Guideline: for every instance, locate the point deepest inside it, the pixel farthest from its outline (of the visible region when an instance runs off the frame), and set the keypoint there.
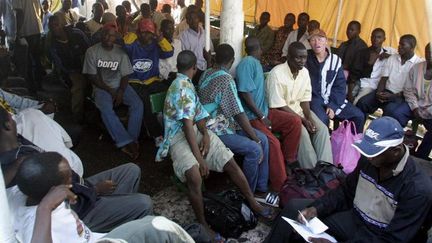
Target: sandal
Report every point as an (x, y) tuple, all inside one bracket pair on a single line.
[(132, 154), (271, 199), (267, 215)]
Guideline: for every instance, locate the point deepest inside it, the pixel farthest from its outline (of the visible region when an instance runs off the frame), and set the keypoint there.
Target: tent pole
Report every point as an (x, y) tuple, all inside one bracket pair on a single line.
[(428, 4), (232, 28), (337, 23), (207, 25)]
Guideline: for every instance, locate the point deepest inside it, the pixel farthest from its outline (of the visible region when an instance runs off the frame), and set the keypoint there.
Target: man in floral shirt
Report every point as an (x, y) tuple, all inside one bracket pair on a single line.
[(195, 150), (218, 93)]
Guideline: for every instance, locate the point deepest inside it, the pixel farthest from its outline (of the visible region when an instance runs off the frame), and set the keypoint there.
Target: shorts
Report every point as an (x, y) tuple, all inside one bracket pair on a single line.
[(183, 158)]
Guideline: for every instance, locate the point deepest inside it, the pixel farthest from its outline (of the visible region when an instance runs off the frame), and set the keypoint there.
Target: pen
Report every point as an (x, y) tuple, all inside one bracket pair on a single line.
[(304, 219)]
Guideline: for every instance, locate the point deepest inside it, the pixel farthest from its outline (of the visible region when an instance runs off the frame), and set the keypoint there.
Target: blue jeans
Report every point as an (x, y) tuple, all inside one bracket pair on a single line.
[(119, 134), (256, 174), (350, 113)]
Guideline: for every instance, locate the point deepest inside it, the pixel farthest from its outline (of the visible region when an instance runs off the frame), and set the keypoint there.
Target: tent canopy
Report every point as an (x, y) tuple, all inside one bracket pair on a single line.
[(396, 17)]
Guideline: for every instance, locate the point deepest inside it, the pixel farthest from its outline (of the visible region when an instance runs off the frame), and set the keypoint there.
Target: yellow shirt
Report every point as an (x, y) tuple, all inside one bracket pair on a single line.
[(283, 90)]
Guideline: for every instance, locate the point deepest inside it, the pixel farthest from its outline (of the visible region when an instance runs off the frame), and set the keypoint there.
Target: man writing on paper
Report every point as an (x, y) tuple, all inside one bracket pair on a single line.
[(386, 199)]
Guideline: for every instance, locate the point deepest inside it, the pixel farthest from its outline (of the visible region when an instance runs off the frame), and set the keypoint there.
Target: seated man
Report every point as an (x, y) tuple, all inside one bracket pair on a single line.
[(386, 199), (156, 16), (369, 64), (251, 87), (45, 215), (388, 94), (67, 49), (66, 15), (193, 39), (167, 66), (289, 90), (193, 148), (273, 55), (264, 33), (32, 122), (144, 50), (104, 200), (329, 84), (348, 51), (218, 93), (108, 67), (124, 21), (418, 97)]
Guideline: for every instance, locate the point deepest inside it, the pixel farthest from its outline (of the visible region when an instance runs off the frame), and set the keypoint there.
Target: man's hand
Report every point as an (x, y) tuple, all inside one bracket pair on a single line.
[(49, 107), (203, 168), (416, 113), (318, 240), (309, 125), (204, 145), (308, 213), (105, 187), (384, 96), (267, 123), (118, 99), (330, 113), (57, 195), (384, 55), (207, 56)]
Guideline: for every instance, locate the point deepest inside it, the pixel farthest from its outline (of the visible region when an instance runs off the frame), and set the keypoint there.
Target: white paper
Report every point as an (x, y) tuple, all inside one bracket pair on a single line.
[(306, 232), (317, 226)]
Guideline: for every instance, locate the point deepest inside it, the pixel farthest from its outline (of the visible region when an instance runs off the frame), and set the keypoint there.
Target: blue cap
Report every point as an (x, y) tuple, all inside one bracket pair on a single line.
[(382, 133)]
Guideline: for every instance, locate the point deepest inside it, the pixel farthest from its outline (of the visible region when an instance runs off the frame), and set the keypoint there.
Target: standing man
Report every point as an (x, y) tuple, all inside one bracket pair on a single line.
[(218, 94), (29, 26), (300, 34), (388, 95), (66, 14), (108, 67), (348, 51), (264, 33), (157, 16), (67, 50), (289, 90), (95, 23), (418, 97), (194, 149), (193, 39), (250, 82), (329, 84), (273, 56)]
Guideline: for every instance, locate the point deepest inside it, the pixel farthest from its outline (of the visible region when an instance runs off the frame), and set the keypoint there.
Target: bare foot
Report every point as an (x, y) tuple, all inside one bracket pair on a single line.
[(132, 150)]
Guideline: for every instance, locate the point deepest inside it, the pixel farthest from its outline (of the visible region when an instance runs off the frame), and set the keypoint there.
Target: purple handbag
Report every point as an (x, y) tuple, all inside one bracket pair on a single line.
[(344, 154)]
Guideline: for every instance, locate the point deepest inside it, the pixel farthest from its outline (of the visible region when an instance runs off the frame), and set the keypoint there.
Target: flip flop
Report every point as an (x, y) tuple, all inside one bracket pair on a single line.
[(271, 199)]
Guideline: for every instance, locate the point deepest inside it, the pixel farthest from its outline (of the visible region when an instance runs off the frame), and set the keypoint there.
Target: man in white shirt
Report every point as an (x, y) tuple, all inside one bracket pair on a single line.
[(67, 16), (389, 93), (369, 64), (95, 23), (168, 66), (47, 217), (300, 34), (193, 39)]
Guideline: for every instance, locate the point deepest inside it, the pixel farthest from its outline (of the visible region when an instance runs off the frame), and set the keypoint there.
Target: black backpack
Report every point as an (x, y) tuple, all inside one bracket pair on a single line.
[(228, 214), (311, 183)]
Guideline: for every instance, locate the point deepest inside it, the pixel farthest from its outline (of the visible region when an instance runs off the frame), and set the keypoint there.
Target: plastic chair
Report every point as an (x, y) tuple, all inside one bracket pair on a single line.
[(157, 101)]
